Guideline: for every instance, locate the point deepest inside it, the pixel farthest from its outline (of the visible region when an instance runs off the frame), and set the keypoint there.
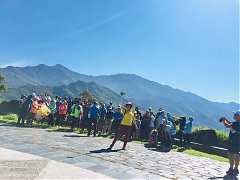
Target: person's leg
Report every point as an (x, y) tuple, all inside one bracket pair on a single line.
[(170, 141), (109, 126), (231, 162), (237, 159), (128, 132), (50, 119), (24, 115), (89, 128), (100, 126), (19, 119), (181, 138), (117, 136), (94, 127), (72, 119)]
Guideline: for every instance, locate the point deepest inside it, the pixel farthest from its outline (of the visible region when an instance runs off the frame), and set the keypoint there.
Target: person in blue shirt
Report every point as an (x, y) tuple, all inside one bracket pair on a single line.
[(102, 119), (94, 114), (188, 131), (117, 118)]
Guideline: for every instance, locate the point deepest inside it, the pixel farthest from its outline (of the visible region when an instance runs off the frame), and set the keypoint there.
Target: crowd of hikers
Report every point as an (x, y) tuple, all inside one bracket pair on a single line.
[(124, 122), (102, 119)]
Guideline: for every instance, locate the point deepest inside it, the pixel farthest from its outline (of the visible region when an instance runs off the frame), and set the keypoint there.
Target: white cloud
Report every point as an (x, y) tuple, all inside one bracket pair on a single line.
[(20, 63), (98, 24)]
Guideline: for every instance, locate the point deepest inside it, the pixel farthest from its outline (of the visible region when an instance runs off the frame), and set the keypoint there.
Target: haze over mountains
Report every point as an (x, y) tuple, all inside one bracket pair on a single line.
[(144, 93)]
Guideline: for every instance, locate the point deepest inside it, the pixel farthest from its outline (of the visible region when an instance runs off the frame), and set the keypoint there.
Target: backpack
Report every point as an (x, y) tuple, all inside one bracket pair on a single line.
[(62, 109)]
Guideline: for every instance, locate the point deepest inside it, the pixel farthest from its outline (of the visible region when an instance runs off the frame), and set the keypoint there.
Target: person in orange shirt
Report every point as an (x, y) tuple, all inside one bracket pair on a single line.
[(125, 127), (33, 111)]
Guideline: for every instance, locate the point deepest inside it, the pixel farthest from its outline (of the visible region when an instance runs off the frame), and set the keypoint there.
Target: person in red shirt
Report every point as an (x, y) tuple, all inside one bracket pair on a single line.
[(62, 111)]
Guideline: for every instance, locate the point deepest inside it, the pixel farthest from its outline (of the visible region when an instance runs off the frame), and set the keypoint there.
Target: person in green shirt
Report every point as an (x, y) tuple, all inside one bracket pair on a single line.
[(75, 114), (53, 108)]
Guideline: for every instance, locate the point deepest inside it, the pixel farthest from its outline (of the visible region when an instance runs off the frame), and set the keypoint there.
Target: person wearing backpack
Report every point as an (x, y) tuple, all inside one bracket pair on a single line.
[(188, 131), (182, 124), (109, 119), (62, 111), (102, 119), (94, 114), (25, 105), (117, 118), (75, 114)]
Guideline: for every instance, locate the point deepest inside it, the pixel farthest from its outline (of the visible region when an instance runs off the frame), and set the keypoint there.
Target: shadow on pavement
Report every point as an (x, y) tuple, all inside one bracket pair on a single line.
[(227, 177), (103, 151), (158, 148), (74, 136)]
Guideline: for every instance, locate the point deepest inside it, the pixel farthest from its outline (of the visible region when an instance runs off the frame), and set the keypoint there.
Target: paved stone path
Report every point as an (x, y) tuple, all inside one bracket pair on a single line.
[(136, 162), (16, 165)]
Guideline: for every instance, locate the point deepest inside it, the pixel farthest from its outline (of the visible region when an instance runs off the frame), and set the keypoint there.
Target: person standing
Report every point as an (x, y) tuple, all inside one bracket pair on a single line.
[(84, 120), (102, 119), (125, 127), (138, 119), (145, 125), (117, 118), (62, 111), (51, 117), (109, 118), (188, 131), (94, 115), (234, 143), (182, 124), (160, 123), (75, 114)]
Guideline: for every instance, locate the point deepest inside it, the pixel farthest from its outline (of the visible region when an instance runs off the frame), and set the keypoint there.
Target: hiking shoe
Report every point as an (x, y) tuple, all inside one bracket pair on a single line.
[(236, 172), (230, 172)]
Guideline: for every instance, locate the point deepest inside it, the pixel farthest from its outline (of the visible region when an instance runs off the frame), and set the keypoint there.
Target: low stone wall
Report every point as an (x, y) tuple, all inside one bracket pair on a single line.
[(207, 149)]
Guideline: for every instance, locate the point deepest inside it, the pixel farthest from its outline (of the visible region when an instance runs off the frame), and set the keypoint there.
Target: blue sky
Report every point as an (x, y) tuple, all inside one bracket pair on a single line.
[(190, 45)]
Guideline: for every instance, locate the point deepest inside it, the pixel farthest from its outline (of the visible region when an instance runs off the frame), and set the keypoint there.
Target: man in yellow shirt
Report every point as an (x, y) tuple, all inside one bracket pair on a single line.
[(125, 127)]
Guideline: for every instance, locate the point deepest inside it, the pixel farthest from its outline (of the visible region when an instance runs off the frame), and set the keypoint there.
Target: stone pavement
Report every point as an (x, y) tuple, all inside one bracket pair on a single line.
[(136, 162), (16, 165)]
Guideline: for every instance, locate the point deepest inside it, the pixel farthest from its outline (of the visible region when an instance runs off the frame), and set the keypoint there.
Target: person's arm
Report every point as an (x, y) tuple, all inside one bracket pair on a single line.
[(227, 123)]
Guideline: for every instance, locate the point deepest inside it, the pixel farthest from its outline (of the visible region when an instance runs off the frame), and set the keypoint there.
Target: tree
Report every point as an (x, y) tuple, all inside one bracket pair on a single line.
[(2, 85), (88, 96)]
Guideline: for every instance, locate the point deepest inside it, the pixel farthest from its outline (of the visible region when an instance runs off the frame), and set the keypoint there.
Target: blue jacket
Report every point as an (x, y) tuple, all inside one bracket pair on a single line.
[(118, 116), (103, 112), (94, 112)]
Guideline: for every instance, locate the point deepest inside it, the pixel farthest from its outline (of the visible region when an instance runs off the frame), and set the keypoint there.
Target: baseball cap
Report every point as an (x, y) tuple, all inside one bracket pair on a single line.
[(237, 113)]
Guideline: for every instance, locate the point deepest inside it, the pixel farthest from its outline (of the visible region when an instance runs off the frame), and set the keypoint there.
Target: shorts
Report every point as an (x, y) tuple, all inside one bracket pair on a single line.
[(234, 143)]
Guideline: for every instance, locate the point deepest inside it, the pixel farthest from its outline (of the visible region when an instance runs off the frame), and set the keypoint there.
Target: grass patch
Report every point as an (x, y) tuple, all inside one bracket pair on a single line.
[(9, 119), (200, 154), (12, 119), (59, 129)]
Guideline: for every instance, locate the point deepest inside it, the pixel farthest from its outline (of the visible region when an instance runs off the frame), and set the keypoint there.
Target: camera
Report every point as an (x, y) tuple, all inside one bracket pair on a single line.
[(222, 119)]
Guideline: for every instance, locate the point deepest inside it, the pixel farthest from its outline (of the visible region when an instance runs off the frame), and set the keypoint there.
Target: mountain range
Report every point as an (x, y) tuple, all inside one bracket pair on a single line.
[(59, 80)]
